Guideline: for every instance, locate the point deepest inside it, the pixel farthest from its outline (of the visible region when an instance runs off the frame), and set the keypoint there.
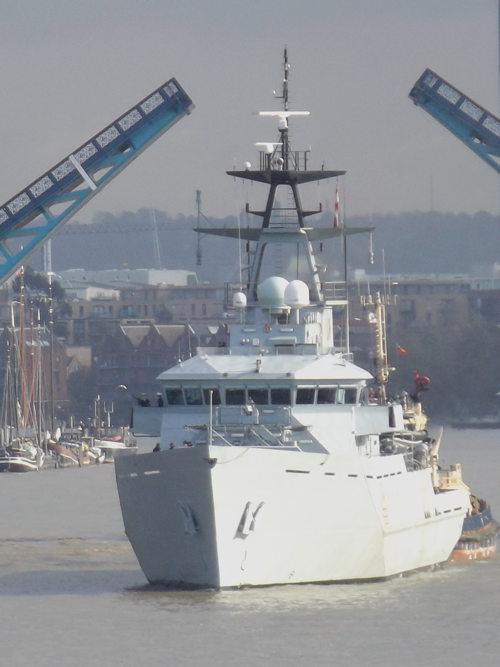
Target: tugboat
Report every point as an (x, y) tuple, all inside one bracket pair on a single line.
[(478, 540), (275, 466)]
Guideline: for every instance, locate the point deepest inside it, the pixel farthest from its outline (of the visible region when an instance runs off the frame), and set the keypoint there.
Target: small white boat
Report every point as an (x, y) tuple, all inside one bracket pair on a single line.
[(21, 456), (113, 448), (96, 454)]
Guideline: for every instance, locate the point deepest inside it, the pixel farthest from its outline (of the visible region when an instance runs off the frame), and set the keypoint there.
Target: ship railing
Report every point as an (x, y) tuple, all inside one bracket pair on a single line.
[(284, 218), (451, 479), (348, 356), (334, 291), (236, 436), (270, 441), (250, 437), (216, 437), (292, 161), (230, 289)]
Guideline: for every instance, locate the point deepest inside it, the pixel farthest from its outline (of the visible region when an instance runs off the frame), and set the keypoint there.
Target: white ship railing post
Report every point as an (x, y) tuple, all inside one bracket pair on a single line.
[(210, 418)]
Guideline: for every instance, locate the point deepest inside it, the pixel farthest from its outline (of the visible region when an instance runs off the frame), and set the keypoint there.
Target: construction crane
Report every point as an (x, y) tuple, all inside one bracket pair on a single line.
[(30, 218), (467, 120)]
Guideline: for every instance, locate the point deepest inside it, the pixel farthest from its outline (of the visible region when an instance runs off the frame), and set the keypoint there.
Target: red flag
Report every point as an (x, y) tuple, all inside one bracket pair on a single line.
[(401, 350), (336, 216)]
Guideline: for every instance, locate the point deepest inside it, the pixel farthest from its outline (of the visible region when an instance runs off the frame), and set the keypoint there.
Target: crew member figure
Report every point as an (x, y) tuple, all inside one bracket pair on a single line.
[(422, 383)]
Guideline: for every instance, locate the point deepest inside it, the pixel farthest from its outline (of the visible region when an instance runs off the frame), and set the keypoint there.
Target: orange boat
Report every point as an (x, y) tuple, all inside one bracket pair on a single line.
[(478, 540)]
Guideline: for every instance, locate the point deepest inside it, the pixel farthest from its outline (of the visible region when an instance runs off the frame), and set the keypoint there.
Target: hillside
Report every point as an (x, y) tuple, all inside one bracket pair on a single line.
[(411, 243)]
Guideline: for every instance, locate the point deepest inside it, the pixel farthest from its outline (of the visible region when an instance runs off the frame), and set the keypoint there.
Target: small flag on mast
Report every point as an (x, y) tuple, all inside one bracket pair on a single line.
[(336, 216)]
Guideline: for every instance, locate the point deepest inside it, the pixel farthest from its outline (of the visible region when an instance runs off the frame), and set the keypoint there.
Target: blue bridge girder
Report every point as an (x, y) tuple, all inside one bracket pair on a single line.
[(471, 123), (30, 218)]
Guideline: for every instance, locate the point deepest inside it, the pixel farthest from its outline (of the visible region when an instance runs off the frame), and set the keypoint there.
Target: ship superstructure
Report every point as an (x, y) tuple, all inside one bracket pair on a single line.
[(275, 465)]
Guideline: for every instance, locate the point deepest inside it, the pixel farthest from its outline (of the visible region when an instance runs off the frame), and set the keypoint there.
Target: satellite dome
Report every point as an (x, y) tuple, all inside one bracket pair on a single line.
[(271, 292), (239, 300), (297, 294)]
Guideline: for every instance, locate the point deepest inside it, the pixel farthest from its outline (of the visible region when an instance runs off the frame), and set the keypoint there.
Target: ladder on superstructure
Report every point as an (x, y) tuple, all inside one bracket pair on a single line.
[(31, 217)]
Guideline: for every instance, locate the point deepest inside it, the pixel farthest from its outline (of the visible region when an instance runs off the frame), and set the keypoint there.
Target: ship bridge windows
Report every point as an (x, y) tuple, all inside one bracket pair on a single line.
[(235, 396), (305, 395), (193, 396), (281, 396), (326, 395), (349, 395), (174, 396), (258, 395), (215, 395)]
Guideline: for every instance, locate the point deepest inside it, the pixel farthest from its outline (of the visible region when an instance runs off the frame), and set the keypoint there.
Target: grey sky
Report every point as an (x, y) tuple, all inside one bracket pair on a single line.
[(70, 67)]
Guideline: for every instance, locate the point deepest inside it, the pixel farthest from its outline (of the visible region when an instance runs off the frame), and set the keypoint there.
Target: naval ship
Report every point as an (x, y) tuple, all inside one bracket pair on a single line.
[(278, 463)]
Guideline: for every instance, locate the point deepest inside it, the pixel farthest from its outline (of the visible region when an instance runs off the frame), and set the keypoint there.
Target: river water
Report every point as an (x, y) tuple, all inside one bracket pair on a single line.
[(72, 593)]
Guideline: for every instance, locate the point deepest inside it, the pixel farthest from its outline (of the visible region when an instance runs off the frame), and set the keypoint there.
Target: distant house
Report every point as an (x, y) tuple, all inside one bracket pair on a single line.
[(136, 353), (78, 358)]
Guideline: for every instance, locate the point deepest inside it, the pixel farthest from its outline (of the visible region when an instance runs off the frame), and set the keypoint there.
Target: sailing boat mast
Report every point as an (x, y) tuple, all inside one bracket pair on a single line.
[(9, 414), (23, 379), (51, 356)]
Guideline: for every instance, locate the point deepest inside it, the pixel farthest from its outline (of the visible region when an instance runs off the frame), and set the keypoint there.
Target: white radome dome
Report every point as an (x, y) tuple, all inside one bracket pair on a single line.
[(239, 300), (271, 292), (297, 294)]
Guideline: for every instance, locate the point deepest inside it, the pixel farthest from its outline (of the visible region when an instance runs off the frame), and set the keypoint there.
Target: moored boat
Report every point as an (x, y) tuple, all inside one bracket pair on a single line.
[(112, 449), (114, 445), (65, 454), (20, 410), (478, 540), (275, 465), (21, 456)]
